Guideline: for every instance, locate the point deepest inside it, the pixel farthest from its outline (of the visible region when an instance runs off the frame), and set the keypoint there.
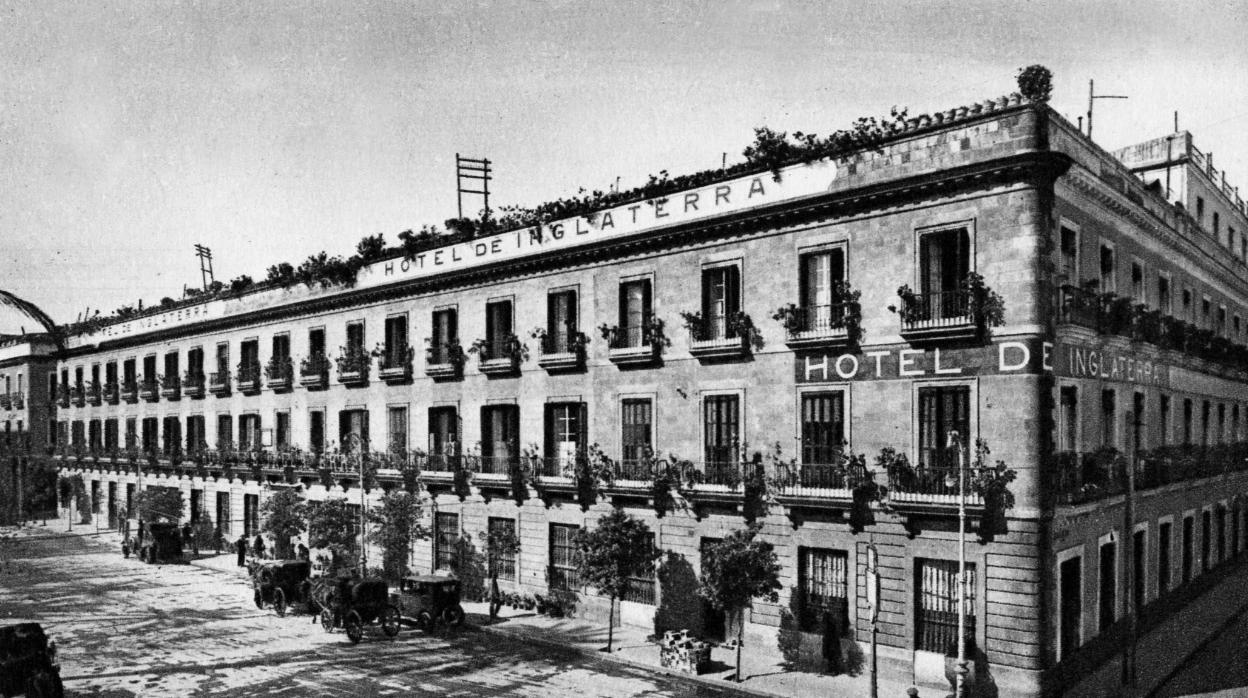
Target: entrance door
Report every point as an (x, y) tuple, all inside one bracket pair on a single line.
[(714, 622)]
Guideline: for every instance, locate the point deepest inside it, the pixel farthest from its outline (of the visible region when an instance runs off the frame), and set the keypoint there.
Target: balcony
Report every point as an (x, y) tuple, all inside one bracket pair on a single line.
[(497, 469), (149, 389), (314, 371), (78, 395), (395, 364), (94, 397), (933, 488), (353, 366), (62, 396), (1080, 307), (499, 356), (820, 325), (632, 345), (562, 352), (717, 337), (1077, 478), (444, 361), (219, 383), (130, 390), (6, 402), (247, 377), (820, 483), (279, 373), (193, 384), (112, 392), (171, 386), (941, 315)]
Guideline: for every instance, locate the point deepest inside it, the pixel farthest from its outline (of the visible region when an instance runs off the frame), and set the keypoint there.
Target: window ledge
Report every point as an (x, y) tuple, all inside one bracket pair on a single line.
[(719, 348)]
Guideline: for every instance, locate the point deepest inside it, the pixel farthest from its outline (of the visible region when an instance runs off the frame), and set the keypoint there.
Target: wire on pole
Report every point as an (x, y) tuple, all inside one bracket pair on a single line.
[(471, 169)]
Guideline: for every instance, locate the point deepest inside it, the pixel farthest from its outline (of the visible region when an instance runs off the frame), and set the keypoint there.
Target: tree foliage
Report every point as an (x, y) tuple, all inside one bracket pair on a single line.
[(396, 523), (284, 514), (333, 524), (1035, 82), (618, 548), (739, 569), (160, 503)]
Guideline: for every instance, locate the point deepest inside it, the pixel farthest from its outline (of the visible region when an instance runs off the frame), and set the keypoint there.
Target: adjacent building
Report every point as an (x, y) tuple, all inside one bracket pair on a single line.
[(986, 270), (26, 413)]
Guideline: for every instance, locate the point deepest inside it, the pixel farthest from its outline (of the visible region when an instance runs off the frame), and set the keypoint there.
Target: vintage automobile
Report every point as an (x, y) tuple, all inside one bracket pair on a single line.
[(28, 662), (282, 584), (431, 600), (352, 602), (161, 541)]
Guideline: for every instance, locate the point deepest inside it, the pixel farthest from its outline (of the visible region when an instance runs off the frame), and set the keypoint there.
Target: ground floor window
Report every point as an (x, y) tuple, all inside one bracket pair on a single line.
[(823, 583), (223, 512), (502, 562), (641, 586), (563, 574), (936, 620), (445, 535), (251, 514)]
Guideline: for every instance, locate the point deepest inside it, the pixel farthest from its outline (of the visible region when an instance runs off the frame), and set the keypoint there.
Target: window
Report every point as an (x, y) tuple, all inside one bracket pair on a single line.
[(1220, 432), (1221, 533), (196, 438), (443, 431), (397, 437), (1200, 210), (281, 430), (396, 342), (502, 562), (445, 537), (151, 435), (249, 432), (95, 435), (563, 574), (249, 361), (110, 435), (281, 349), (110, 372), (635, 438), (1217, 226), (498, 330), (225, 429), (1206, 538), (251, 514), (1219, 325), (1205, 419), (823, 427), (500, 437), (561, 323), (1138, 293), (641, 586), (223, 512), (1163, 408), (1070, 620), (944, 262), (1188, 311), (720, 425), (1139, 569), (1230, 239), (171, 366), (197, 505), (635, 313), (1137, 422), (445, 335), (195, 363), (820, 276), (132, 432), (721, 300), (172, 445), (1068, 422), (1188, 547), (316, 342), (1187, 421), (316, 431), (566, 425), (223, 360), (1164, 301), (1109, 419), (823, 584), (1070, 254), (942, 410), (936, 623), (1163, 556), (353, 429), (1108, 573), (1205, 310), (355, 339), (1109, 283), (149, 371)]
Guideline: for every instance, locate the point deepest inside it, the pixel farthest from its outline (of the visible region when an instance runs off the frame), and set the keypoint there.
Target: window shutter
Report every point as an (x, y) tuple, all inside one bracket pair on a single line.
[(928, 276), (552, 314), (548, 421), (582, 428), (806, 295), (491, 325), (513, 422), (708, 280), (623, 305), (569, 300), (732, 290), (487, 432)]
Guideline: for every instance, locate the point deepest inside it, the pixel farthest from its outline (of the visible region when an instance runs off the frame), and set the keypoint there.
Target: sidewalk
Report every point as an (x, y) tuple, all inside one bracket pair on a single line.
[(761, 667)]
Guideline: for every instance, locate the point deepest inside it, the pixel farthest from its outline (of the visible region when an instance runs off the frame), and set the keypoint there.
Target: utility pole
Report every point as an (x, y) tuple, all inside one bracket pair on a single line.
[(1092, 96), (472, 169), (205, 265)]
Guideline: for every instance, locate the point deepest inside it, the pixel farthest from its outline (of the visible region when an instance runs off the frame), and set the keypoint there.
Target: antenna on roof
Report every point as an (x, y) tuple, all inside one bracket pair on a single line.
[(205, 265), (1091, 97), (472, 168)]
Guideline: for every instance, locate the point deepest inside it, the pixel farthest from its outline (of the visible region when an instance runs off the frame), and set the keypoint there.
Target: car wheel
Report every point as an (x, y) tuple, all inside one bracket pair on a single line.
[(355, 627), (259, 599), (327, 620), (424, 621), (390, 621), (453, 615), (279, 602)]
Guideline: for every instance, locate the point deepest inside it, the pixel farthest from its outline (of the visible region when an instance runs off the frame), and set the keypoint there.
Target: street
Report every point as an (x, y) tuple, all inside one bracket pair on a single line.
[(129, 629), (1219, 670)]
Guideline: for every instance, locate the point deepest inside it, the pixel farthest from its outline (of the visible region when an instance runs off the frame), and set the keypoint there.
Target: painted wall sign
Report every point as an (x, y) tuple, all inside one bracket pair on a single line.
[(1079, 361)]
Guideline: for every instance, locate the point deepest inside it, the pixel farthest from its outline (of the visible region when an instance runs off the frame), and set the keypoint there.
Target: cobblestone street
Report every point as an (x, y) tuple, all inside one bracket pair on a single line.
[(125, 628)]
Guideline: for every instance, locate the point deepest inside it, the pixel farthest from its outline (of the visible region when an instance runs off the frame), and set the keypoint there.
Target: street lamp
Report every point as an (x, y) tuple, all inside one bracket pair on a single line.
[(354, 443), (955, 443)]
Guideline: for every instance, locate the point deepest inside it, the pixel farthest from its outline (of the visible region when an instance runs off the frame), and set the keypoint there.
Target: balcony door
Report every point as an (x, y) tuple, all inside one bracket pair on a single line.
[(635, 309), (820, 271), (944, 262), (560, 321), (565, 434), (353, 423), (721, 299), (500, 434)]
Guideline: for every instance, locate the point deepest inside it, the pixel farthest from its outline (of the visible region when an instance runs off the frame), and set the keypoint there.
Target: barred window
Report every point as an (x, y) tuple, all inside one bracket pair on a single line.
[(823, 582), (502, 563), (563, 574), (446, 533), (641, 585), (936, 624)]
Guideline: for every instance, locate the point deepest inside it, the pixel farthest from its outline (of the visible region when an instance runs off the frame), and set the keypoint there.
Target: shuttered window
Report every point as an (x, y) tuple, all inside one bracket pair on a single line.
[(561, 312), (396, 341), (641, 586), (823, 581), (565, 434), (721, 428), (563, 574), (942, 410), (635, 311), (397, 418), (636, 425), (823, 427), (936, 621), (443, 431), (721, 299)]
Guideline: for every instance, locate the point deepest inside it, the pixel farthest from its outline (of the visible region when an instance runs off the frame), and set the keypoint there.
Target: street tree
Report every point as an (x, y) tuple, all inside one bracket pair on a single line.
[(618, 548), (333, 524), (160, 503), (284, 515), (737, 570), (499, 544), (396, 524)]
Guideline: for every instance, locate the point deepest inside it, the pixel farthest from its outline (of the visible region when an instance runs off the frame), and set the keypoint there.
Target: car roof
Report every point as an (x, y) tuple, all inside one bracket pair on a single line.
[(431, 578)]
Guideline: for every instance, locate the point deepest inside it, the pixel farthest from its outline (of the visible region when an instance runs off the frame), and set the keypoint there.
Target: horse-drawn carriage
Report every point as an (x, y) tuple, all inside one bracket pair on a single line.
[(160, 541), (283, 583), (352, 602), (431, 599)]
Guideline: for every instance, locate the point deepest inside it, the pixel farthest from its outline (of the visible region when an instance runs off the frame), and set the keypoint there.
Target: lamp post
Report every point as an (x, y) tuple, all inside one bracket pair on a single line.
[(355, 444), (955, 444)]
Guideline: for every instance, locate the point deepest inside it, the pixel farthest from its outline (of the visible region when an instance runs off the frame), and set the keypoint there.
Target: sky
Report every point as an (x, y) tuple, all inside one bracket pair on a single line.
[(271, 130)]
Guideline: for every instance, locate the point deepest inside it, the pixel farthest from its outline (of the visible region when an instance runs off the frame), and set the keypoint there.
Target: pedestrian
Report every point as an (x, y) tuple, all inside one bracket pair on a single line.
[(258, 547), (125, 548), (241, 546), (832, 631), (496, 599), (302, 552)]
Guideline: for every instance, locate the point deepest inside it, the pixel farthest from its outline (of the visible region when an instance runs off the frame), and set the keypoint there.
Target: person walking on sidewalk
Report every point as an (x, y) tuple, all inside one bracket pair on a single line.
[(241, 547)]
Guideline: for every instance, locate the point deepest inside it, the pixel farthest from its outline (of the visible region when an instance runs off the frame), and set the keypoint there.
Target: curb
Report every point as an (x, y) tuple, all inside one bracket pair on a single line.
[(704, 683)]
